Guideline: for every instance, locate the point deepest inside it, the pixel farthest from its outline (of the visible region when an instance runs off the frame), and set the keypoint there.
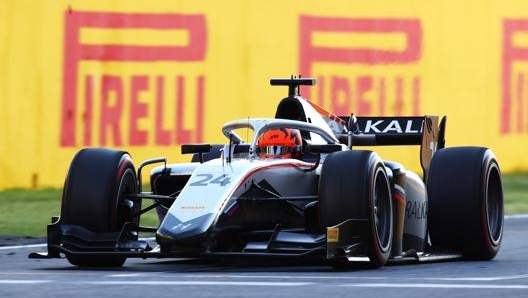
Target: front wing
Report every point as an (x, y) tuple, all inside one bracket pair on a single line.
[(340, 245)]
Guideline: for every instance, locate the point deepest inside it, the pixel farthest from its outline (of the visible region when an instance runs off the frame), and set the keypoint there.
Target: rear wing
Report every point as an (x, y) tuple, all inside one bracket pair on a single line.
[(426, 131), (352, 131)]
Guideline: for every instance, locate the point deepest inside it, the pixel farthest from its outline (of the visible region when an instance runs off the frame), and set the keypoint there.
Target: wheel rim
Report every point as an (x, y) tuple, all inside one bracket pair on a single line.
[(494, 204), (382, 210), (125, 207)]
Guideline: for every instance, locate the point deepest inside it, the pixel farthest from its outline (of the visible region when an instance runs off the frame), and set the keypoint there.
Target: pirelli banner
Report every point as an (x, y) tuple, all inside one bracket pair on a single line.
[(148, 76)]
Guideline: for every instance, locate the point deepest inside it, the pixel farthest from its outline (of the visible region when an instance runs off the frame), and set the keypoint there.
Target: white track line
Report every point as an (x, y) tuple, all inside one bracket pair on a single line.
[(315, 278), (492, 278), (273, 284), (18, 282), (514, 216), (22, 246), (161, 283), (202, 283), (436, 286)]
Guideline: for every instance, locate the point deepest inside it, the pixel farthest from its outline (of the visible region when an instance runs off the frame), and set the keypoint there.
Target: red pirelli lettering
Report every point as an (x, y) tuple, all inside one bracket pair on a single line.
[(514, 106), (138, 110), (162, 135), (109, 88), (363, 89), (111, 109)]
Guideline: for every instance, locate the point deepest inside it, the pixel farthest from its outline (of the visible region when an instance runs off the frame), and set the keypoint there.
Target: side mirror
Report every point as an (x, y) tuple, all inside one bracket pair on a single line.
[(196, 148), (325, 148), (320, 149)]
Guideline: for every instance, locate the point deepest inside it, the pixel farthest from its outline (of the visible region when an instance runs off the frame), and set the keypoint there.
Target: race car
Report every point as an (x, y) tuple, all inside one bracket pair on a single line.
[(297, 185)]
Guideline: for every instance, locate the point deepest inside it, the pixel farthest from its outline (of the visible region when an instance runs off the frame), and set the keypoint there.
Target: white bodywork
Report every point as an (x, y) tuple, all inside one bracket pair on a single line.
[(216, 184)]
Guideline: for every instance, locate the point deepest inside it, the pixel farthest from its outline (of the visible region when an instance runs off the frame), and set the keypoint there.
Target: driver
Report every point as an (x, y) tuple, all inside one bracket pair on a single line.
[(280, 143)]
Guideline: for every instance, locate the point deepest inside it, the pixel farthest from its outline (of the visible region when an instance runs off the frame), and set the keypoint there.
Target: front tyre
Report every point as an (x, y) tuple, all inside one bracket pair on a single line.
[(354, 185), (95, 197), (466, 208)]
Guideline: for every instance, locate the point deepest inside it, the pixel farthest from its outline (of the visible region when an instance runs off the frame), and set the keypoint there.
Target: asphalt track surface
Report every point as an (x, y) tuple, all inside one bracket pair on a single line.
[(505, 276)]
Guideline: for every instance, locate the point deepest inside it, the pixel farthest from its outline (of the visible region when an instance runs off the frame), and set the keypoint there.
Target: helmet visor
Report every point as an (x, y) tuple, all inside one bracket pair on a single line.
[(275, 151)]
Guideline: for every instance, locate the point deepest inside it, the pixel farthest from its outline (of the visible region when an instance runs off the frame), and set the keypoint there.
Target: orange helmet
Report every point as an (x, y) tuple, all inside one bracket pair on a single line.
[(280, 143)]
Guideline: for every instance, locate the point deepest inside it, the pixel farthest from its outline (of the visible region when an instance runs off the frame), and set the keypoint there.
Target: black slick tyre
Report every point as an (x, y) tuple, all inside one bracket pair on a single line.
[(354, 185), (466, 208), (94, 197)]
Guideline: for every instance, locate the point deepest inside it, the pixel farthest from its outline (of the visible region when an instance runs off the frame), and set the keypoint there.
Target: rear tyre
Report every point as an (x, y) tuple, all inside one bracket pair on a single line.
[(466, 209), (354, 185), (94, 197)]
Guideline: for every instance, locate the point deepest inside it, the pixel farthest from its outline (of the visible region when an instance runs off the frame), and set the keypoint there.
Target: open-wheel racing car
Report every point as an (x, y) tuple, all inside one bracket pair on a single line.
[(296, 187)]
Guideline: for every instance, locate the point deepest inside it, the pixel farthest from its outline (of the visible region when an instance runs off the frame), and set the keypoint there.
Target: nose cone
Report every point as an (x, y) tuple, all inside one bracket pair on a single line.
[(193, 232)]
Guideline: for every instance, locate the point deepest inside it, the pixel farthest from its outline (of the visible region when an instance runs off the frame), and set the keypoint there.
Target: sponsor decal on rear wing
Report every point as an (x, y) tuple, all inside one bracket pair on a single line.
[(372, 131), (380, 131)]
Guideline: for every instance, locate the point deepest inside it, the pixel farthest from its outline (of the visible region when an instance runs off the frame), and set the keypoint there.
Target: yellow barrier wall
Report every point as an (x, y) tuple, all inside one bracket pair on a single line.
[(149, 76)]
